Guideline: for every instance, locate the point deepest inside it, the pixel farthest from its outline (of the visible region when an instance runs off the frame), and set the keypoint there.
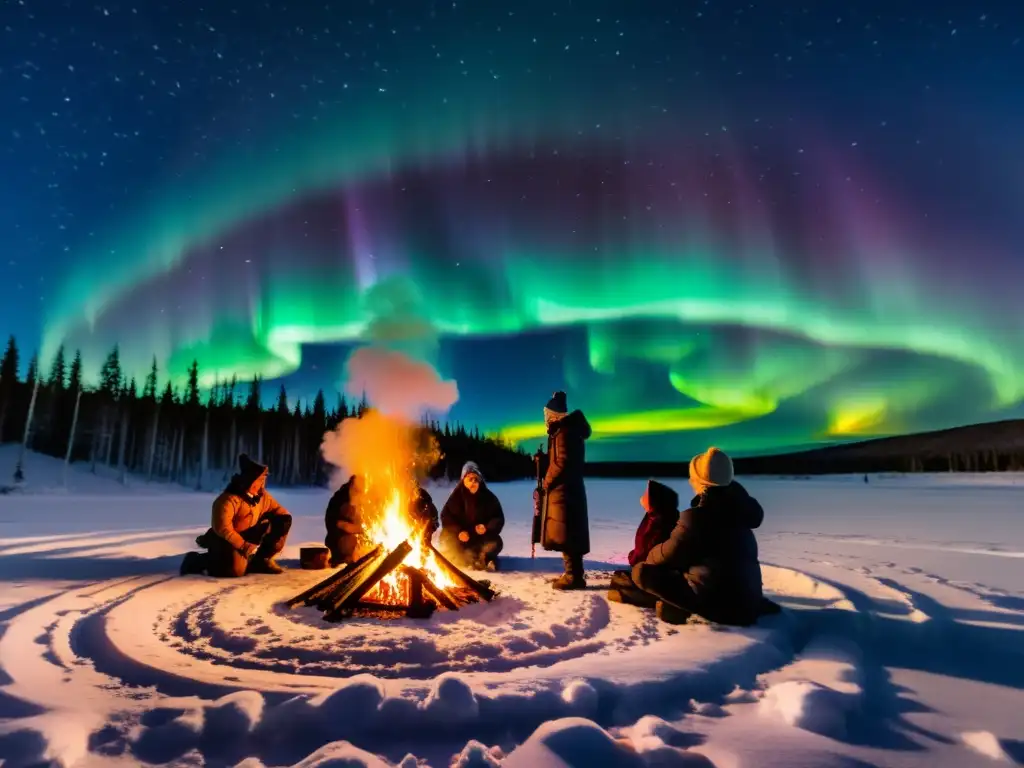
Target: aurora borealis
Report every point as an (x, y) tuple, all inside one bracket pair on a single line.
[(705, 221)]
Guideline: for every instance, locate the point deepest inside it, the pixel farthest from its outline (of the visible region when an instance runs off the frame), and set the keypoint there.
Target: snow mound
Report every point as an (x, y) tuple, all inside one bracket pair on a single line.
[(573, 741), (477, 755), (809, 705), (987, 744)]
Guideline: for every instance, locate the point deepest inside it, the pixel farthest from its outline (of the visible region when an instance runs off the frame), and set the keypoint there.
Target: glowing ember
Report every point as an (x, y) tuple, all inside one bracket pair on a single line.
[(390, 527)]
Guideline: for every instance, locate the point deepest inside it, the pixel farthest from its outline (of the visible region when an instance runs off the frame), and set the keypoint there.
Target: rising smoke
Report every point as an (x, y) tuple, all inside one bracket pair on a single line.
[(396, 373)]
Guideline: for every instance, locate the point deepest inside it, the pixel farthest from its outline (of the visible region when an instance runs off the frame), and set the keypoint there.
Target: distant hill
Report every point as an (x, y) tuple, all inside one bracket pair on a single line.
[(996, 446)]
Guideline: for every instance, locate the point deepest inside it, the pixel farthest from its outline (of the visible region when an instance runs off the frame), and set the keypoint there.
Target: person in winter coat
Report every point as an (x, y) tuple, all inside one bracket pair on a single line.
[(709, 564), (343, 523), (564, 524), (424, 513), (471, 522), (661, 513), (249, 528)]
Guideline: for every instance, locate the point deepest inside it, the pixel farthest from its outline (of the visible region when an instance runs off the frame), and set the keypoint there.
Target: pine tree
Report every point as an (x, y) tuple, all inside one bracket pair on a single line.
[(342, 407), (149, 390), (110, 374), (8, 380), (9, 364), (255, 401), (282, 401), (192, 389), (167, 398), (58, 370), (33, 370), (319, 414), (75, 377)]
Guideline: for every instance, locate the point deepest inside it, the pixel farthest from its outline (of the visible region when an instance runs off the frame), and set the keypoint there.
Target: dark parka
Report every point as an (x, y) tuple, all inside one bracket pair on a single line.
[(564, 523), (465, 510), (714, 548), (424, 513), (343, 523), (341, 510)]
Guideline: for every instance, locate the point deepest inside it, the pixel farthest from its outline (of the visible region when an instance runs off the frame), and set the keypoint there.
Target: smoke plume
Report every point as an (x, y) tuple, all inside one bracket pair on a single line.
[(395, 373)]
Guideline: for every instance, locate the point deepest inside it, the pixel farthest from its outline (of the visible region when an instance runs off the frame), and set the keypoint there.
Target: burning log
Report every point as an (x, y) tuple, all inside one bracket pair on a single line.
[(419, 607), (440, 595), (354, 592), (353, 576), (351, 589), (469, 583), (322, 587)]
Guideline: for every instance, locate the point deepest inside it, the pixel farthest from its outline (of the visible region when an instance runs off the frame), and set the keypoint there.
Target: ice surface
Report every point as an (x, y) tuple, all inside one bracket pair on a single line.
[(901, 642)]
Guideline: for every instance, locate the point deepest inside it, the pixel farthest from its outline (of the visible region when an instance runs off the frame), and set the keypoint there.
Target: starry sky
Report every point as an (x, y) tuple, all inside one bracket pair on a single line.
[(762, 225)]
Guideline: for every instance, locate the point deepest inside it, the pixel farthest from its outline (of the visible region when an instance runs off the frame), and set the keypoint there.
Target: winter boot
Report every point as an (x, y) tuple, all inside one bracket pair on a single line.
[(265, 565), (194, 562), (573, 576), (670, 614)]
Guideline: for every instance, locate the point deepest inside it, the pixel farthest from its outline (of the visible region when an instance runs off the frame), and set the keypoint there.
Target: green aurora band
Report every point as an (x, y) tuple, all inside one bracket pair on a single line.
[(733, 327)]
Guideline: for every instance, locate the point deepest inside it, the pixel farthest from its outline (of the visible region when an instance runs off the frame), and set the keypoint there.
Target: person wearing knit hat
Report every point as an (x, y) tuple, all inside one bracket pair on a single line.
[(249, 527), (564, 523), (710, 469), (471, 522), (661, 513), (709, 564)]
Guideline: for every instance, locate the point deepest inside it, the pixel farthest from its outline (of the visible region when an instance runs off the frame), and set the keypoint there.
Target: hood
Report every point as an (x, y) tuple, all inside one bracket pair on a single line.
[(732, 502), (575, 421), (663, 500)]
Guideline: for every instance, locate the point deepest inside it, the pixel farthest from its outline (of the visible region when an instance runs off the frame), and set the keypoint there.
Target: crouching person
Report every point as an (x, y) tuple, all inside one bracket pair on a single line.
[(423, 512), (661, 513), (471, 522), (709, 564), (343, 523), (249, 528)]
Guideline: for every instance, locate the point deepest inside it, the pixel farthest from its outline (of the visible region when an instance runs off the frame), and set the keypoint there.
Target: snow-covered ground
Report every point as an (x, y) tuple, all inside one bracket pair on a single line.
[(902, 643)]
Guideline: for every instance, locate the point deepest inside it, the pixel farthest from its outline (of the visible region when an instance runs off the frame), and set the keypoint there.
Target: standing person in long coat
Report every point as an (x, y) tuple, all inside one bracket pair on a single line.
[(565, 526)]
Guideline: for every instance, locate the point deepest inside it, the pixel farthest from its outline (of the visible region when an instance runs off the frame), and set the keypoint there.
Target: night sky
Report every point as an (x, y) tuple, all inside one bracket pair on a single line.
[(762, 225)]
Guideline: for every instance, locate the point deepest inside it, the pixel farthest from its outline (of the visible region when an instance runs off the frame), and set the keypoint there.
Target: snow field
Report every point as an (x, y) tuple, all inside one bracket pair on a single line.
[(901, 644)]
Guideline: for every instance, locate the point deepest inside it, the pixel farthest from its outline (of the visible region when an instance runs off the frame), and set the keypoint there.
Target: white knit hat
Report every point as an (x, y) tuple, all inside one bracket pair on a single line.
[(711, 468), (471, 467)]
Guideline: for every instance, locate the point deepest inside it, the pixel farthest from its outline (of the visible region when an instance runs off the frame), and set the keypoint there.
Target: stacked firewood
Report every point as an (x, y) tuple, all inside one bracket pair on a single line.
[(345, 593)]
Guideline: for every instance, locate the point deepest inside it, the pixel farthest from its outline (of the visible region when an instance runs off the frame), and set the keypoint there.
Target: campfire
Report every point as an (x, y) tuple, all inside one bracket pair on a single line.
[(400, 572)]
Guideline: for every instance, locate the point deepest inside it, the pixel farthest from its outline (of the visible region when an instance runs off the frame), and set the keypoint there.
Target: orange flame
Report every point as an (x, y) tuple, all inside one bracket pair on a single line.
[(387, 453)]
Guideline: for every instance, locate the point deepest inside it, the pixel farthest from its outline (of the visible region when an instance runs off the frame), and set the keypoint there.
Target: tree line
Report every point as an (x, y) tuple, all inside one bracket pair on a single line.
[(156, 431)]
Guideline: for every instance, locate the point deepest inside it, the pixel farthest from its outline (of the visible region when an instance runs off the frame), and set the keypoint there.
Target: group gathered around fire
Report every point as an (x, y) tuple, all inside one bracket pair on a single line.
[(700, 561)]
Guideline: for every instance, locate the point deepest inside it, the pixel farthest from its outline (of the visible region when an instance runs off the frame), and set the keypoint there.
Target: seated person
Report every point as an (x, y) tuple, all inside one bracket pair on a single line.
[(471, 522), (661, 513), (343, 524), (249, 528), (424, 513), (709, 564)]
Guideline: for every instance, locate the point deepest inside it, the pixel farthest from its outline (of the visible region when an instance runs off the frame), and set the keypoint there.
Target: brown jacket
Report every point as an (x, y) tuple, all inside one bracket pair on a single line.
[(233, 514)]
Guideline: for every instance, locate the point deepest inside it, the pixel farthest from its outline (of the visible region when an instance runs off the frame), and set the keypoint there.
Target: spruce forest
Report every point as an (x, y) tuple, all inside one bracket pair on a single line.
[(153, 431)]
